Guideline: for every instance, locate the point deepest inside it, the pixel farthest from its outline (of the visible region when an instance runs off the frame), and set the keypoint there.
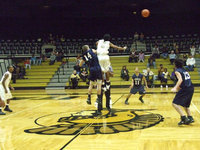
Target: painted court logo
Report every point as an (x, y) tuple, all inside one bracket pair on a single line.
[(86, 122)]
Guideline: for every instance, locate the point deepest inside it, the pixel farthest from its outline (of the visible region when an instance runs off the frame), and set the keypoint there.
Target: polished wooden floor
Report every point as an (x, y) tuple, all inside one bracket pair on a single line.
[(35, 107)]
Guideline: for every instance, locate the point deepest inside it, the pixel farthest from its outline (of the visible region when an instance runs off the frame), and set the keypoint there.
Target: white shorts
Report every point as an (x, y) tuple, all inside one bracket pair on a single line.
[(104, 61), (5, 96)]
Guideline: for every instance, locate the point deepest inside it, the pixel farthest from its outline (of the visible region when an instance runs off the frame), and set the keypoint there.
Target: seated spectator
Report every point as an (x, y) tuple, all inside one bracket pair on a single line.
[(185, 57), (74, 78), (177, 53), (164, 77), (172, 57), (192, 50), (27, 63), (125, 73), (173, 76), (141, 37), (59, 56), (149, 75), (136, 36), (160, 71), (133, 56), (164, 52), (77, 68), (151, 62), (39, 60), (190, 63), (156, 52), (83, 74), (52, 58), (33, 59), (141, 57)]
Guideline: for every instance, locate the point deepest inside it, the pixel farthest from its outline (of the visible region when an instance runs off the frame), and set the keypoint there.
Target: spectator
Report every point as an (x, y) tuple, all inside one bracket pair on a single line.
[(177, 53), (62, 39), (77, 68), (52, 58), (190, 63), (141, 57), (149, 75), (133, 56), (156, 52), (192, 50), (185, 57), (160, 71), (33, 59), (164, 77), (164, 52), (74, 78), (78, 59), (173, 76), (172, 57), (84, 74), (39, 60), (136, 36), (27, 63), (141, 37), (125, 73), (151, 62), (59, 56)]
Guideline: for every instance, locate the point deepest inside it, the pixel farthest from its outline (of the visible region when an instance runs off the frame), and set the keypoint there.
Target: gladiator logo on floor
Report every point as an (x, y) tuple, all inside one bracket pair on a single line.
[(87, 123)]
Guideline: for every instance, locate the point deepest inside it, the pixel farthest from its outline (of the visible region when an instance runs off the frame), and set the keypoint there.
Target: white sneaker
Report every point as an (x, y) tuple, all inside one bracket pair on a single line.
[(166, 87), (161, 86)]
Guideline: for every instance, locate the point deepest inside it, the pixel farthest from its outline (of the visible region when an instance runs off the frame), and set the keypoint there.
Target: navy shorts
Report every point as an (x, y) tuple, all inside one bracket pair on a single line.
[(136, 89), (184, 97), (95, 73)]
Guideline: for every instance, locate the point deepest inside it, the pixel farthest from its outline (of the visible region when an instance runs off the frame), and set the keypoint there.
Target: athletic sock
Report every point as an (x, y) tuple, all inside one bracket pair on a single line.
[(108, 85)]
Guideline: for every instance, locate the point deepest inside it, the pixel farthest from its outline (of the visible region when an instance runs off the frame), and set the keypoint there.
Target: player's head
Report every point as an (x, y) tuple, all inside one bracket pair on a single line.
[(85, 48), (136, 70), (74, 72), (106, 37), (10, 68), (178, 63)]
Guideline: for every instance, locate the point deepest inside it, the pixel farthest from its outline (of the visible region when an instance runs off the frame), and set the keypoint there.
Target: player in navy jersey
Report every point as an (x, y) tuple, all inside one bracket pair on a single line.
[(90, 58), (185, 90), (137, 86)]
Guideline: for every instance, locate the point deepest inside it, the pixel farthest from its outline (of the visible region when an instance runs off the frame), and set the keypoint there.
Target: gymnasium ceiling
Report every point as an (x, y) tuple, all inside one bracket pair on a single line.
[(94, 8)]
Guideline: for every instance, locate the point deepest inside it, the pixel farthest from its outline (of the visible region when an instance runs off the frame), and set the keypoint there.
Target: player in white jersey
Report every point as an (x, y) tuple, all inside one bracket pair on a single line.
[(103, 46), (5, 94)]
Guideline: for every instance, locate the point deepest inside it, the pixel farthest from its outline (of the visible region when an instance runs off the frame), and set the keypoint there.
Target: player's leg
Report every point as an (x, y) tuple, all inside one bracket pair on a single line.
[(142, 93), (7, 108), (99, 100), (108, 100), (2, 104), (8, 98), (190, 118), (90, 92)]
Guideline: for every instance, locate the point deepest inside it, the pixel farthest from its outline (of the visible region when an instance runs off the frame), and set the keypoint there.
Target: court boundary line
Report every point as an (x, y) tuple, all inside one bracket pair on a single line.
[(85, 128), (195, 107)]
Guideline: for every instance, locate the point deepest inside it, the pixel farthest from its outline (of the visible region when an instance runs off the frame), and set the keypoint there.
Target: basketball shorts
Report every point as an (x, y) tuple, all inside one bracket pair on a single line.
[(5, 96), (139, 89), (95, 73), (104, 61), (184, 97)]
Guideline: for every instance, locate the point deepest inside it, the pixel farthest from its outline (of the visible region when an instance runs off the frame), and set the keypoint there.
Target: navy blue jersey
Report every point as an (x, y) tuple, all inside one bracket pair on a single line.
[(137, 79), (91, 58), (186, 78)]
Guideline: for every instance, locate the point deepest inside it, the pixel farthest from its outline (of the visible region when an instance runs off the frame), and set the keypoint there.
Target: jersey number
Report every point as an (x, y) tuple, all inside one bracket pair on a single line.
[(88, 56), (187, 76)]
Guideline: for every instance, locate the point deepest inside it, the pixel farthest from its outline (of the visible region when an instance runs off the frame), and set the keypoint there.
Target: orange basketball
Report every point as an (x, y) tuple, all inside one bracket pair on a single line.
[(145, 13)]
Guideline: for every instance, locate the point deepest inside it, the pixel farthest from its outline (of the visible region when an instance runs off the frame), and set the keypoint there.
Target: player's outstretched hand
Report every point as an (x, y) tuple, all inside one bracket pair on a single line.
[(125, 47), (174, 89)]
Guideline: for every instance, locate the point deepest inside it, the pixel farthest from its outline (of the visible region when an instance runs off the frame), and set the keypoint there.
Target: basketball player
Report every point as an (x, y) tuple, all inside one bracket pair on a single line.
[(91, 59), (185, 90), (5, 94), (103, 46), (137, 86)]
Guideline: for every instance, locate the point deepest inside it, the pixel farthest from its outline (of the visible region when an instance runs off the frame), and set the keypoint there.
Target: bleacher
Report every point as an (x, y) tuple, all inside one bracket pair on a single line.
[(118, 62), (37, 76)]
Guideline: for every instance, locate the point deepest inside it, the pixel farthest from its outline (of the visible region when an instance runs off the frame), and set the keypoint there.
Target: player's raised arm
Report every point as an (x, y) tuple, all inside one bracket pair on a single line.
[(132, 84), (81, 63), (180, 80), (118, 47)]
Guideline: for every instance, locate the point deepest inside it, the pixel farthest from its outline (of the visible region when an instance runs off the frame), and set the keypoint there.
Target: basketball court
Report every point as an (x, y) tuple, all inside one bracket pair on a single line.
[(50, 120)]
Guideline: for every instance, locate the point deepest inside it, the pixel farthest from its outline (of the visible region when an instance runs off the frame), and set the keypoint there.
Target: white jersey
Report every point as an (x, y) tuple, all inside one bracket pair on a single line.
[(7, 82), (103, 47), (5, 96)]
